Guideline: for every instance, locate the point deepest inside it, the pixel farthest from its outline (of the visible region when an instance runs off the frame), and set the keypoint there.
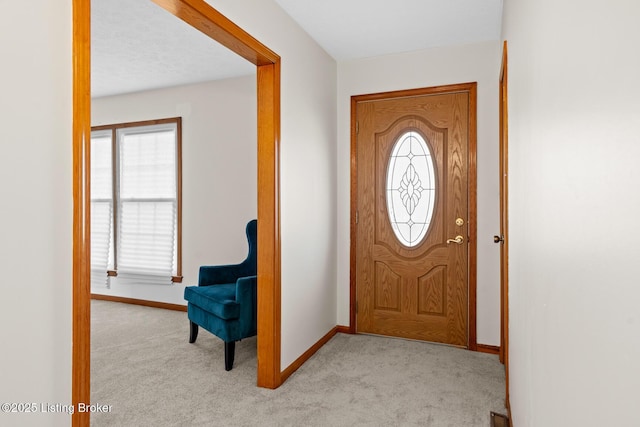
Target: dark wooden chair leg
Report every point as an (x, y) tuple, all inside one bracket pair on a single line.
[(229, 354), (193, 332)]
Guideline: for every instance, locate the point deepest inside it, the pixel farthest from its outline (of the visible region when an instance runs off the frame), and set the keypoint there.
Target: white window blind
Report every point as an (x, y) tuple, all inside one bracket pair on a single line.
[(101, 207), (135, 235), (147, 203)]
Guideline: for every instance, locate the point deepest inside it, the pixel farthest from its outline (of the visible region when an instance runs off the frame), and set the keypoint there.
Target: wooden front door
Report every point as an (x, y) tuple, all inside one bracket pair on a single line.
[(413, 221)]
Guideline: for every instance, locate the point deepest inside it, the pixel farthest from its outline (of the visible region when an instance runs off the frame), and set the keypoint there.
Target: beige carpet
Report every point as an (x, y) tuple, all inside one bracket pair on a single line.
[(143, 366)]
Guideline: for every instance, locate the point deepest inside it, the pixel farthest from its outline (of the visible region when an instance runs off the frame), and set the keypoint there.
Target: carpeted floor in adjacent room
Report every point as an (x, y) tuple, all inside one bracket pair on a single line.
[(143, 366)]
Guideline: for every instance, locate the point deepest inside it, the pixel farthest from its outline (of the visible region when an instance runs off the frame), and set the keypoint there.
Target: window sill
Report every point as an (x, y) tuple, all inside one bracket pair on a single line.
[(174, 279)]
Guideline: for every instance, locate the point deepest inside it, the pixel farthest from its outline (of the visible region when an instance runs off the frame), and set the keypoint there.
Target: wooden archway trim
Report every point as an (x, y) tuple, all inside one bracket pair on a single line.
[(206, 19), (203, 17), (81, 134)]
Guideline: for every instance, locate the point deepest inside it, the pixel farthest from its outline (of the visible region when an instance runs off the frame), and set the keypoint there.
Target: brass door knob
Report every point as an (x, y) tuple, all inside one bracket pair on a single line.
[(498, 239)]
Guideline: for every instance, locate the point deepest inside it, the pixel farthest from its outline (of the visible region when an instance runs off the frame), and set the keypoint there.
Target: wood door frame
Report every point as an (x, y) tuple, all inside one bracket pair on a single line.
[(471, 88), (202, 17), (504, 219)]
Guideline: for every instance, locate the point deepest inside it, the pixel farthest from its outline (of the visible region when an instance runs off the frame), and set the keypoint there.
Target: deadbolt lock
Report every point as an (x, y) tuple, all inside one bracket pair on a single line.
[(459, 222)]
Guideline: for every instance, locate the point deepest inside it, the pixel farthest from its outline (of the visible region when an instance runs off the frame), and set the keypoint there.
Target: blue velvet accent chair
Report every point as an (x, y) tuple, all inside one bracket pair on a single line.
[(224, 302)]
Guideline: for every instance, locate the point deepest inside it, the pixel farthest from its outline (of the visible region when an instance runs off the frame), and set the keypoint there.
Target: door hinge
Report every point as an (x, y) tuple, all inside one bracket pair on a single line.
[(356, 217), (357, 128), (356, 306)]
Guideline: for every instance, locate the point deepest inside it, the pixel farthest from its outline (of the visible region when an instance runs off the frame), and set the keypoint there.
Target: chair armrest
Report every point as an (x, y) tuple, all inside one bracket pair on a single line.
[(221, 274), (246, 296)]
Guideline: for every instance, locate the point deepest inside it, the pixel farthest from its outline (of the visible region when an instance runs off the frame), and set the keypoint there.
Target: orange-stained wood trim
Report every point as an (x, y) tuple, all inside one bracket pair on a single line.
[(307, 354), (81, 144), (504, 220), (490, 349), (135, 301), (269, 304), (459, 87), (203, 17), (470, 88), (473, 215), (177, 120), (354, 228), (345, 329)]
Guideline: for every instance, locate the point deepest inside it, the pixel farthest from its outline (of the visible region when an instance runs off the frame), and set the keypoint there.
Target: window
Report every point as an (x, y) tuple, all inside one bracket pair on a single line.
[(136, 202), (411, 191)]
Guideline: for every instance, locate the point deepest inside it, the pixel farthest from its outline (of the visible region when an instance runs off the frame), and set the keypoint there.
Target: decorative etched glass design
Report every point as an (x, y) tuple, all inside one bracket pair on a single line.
[(411, 188)]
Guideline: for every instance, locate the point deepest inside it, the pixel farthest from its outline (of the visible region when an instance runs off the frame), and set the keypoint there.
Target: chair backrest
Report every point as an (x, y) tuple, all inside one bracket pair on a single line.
[(252, 239)]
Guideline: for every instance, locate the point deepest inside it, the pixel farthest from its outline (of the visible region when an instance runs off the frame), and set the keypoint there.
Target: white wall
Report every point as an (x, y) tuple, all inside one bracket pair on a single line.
[(219, 171), (35, 218), (574, 123), (460, 64), (308, 172)]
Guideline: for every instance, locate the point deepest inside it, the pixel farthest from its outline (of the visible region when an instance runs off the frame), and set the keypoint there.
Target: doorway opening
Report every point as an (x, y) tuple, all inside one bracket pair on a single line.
[(206, 19)]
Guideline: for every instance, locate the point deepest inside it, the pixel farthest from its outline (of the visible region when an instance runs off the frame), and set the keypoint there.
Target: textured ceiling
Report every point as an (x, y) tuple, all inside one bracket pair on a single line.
[(136, 45)]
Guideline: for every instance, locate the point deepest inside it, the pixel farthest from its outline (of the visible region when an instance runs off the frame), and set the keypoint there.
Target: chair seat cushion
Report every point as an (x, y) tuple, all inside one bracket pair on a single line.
[(219, 300)]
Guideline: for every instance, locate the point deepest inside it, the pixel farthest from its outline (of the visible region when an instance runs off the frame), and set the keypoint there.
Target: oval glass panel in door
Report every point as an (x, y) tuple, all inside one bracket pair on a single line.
[(411, 188)]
